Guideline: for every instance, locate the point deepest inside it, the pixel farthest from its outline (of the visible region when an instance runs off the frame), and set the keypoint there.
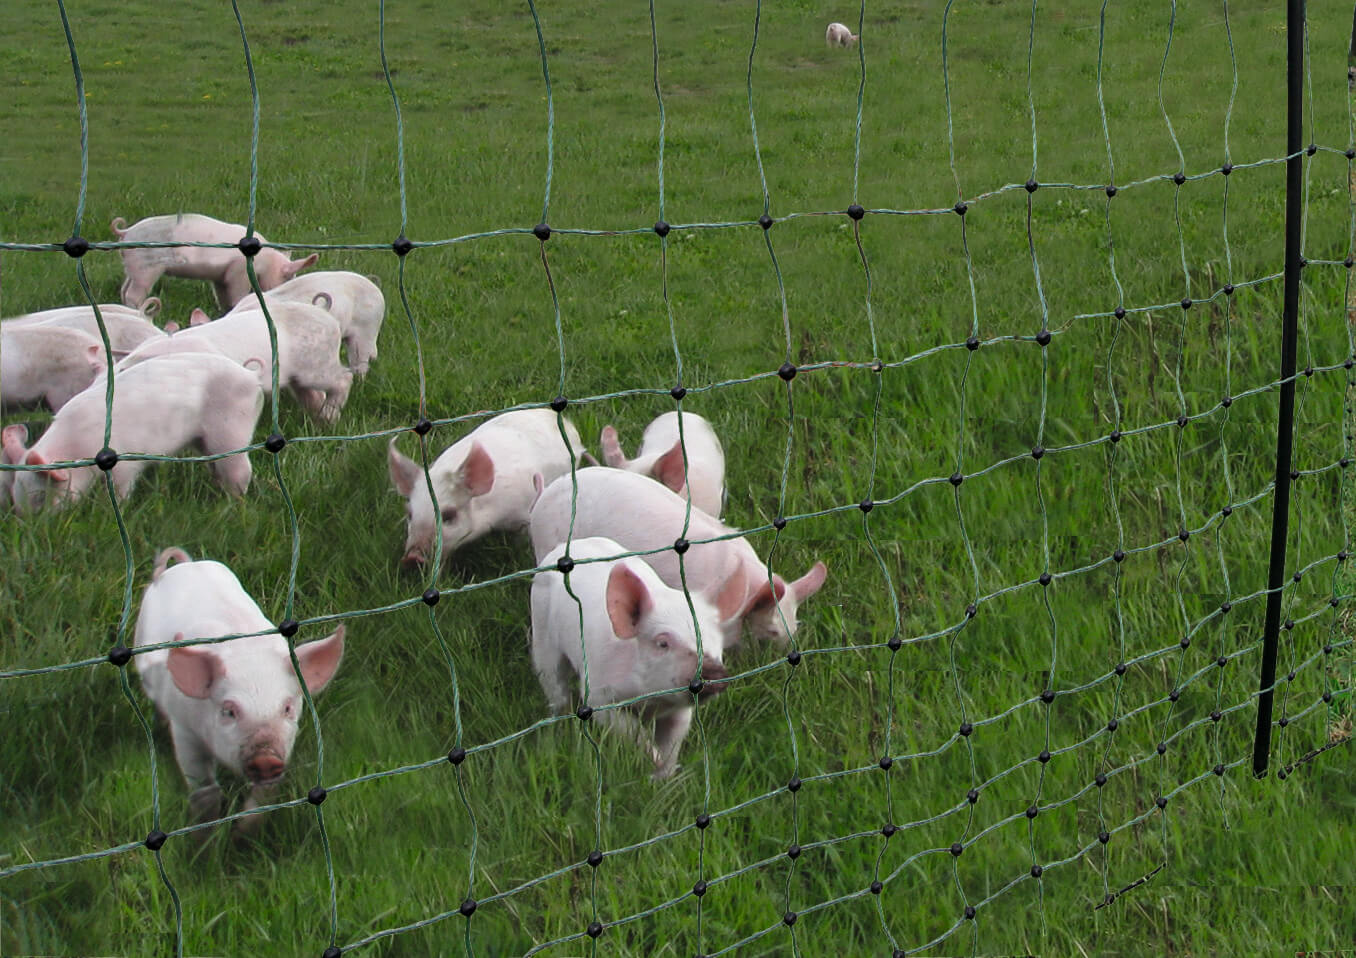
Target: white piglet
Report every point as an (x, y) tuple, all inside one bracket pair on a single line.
[(638, 638), (644, 515), (353, 300), (224, 268), (127, 328), (483, 481), (308, 351), (46, 364), (838, 35), (159, 407), (661, 458), (234, 703)]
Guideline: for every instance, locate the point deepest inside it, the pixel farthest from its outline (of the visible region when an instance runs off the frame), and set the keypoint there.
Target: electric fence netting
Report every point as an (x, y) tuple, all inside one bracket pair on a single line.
[(1071, 430)]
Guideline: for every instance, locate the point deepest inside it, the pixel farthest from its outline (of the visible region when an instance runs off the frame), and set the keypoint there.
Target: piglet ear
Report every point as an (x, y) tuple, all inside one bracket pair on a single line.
[(95, 354), (35, 458), (612, 450), (764, 597), (293, 267), (477, 472), (730, 600), (319, 660), (627, 601), (810, 583), (12, 441), (668, 468), (405, 472), (198, 317), (194, 669)]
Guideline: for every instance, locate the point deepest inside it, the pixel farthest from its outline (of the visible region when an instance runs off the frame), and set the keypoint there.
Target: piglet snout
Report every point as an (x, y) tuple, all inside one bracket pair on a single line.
[(413, 559), (264, 768), (714, 678)]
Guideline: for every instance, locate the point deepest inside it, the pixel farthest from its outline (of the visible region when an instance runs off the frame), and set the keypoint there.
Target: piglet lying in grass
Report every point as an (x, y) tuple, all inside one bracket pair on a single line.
[(159, 407), (46, 364), (638, 638), (353, 300), (661, 457), (483, 481), (643, 515), (224, 268), (234, 703)]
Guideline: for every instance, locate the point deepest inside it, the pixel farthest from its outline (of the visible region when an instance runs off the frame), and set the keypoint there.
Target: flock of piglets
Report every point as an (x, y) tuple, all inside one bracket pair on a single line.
[(237, 703)]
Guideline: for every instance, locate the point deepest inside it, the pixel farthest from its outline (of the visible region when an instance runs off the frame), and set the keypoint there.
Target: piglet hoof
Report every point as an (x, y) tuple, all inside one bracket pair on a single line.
[(664, 771), (329, 411), (245, 831), (248, 827), (205, 804)]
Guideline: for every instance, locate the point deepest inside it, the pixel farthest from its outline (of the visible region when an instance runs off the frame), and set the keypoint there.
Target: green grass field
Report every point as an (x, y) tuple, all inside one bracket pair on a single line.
[(1240, 866)]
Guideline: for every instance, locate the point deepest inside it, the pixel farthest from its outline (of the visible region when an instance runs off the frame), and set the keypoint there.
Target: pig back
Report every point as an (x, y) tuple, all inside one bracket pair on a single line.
[(201, 599), (641, 514), (158, 405)]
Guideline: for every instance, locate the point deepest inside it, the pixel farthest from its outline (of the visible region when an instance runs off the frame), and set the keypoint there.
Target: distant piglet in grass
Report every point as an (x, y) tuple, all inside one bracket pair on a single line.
[(644, 515), (638, 638), (353, 300), (838, 35), (159, 408), (233, 703), (483, 481), (224, 268), (46, 364), (661, 457)]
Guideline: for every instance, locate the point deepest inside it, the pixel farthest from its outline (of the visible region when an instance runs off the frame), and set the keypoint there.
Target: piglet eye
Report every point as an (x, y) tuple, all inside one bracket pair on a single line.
[(450, 514), (228, 712)]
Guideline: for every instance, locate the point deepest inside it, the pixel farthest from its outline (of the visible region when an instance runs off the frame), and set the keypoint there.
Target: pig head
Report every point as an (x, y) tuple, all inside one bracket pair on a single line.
[(247, 717), (456, 482)]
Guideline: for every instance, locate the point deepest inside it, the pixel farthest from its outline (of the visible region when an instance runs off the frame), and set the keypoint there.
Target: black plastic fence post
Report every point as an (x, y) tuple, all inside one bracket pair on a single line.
[(1285, 426)]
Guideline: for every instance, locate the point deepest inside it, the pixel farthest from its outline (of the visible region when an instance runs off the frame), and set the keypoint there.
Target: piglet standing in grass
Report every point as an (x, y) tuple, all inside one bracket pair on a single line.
[(661, 458), (308, 351), (127, 328), (483, 481), (234, 703), (838, 35), (354, 301), (224, 268), (159, 407), (46, 364), (643, 515), (638, 638)]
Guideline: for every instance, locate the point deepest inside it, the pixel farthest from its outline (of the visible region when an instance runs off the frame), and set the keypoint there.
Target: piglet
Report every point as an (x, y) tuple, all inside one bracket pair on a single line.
[(12, 439), (224, 268), (483, 481), (353, 300), (308, 351), (838, 35), (159, 407), (643, 515), (639, 638), (127, 328), (661, 457), (234, 703), (46, 364)]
